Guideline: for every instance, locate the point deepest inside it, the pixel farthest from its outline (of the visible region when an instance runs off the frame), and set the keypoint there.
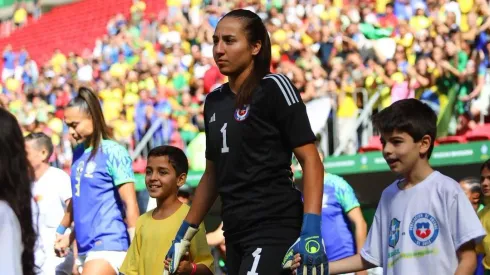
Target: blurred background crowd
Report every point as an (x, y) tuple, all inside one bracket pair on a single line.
[(156, 69)]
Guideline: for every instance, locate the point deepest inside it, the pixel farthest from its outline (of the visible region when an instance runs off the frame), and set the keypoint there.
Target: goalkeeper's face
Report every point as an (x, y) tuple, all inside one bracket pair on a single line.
[(161, 179)]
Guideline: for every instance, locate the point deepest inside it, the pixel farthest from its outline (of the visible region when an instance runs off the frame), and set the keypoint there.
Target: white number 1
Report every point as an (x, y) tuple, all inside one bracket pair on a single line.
[(256, 254), (225, 148)]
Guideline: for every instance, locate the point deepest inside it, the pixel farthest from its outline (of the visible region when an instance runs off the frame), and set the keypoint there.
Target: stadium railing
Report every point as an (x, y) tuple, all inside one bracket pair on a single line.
[(147, 141)]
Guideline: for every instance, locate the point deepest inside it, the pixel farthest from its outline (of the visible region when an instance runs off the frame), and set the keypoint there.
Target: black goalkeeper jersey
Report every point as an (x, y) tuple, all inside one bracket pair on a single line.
[(251, 148)]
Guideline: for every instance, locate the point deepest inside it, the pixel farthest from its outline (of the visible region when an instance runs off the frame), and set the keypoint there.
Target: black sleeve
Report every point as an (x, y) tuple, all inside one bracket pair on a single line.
[(207, 117), (288, 111)]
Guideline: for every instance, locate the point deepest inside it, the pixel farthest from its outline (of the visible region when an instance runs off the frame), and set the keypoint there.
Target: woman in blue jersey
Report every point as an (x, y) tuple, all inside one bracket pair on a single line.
[(104, 206)]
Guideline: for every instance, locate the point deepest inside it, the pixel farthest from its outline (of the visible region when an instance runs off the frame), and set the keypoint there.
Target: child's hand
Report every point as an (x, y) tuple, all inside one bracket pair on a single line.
[(62, 245), (296, 262), (185, 265)]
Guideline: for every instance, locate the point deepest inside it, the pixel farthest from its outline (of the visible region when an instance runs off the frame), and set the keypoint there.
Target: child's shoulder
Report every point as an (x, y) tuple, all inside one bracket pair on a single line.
[(435, 182), (180, 213), (144, 218), (442, 183)]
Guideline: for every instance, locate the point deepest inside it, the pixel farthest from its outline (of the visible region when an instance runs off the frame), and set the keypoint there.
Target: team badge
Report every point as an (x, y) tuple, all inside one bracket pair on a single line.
[(394, 233), (242, 113), (79, 169), (90, 169), (423, 229)]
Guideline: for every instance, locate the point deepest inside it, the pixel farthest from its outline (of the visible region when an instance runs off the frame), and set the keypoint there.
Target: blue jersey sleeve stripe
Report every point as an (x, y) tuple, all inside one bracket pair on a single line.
[(123, 181), (352, 206)]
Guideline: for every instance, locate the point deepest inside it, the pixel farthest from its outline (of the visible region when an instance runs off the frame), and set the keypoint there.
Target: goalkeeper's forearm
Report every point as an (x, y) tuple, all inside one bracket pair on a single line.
[(349, 265), (206, 194)]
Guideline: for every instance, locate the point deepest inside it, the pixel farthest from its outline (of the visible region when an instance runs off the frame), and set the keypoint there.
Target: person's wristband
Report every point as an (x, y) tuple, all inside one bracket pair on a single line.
[(194, 268), (61, 229)]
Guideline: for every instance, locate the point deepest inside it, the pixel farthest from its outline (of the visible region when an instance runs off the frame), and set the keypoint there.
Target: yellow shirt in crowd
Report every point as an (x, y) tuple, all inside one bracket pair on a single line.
[(484, 246), (150, 245), (20, 16)]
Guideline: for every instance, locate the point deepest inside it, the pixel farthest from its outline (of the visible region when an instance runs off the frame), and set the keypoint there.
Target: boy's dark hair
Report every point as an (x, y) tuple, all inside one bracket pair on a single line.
[(411, 116), (42, 142), (176, 157), (473, 183), (486, 164)]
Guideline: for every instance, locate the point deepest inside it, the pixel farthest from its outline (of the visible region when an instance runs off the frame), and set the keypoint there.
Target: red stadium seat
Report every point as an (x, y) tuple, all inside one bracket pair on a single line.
[(71, 27), (481, 132), (451, 139), (139, 165), (374, 144)]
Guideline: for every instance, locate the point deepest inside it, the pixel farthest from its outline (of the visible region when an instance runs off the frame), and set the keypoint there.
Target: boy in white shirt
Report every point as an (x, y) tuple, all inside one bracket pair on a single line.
[(424, 224), (51, 190)]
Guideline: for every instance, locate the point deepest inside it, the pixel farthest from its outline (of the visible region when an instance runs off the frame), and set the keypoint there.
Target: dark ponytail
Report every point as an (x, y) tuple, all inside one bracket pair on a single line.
[(255, 31), (88, 102), (16, 175)]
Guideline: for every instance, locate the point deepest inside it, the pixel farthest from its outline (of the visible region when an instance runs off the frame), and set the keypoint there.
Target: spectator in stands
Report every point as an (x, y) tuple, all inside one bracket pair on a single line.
[(20, 15), (337, 49)]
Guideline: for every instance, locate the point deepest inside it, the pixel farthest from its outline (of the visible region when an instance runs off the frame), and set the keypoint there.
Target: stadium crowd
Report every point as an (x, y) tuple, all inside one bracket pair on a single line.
[(160, 66)]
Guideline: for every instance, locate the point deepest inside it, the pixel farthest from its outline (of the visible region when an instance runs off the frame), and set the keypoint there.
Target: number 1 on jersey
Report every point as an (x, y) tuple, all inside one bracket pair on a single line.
[(225, 148)]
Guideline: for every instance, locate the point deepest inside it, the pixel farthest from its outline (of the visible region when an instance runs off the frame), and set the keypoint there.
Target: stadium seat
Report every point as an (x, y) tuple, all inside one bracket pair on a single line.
[(139, 165), (481, 132), (374, 144), (71, 27), (451, 139)]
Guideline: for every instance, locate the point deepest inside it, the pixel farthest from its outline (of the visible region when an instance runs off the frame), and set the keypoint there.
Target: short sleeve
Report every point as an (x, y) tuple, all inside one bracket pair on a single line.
[(288, 110), (131, 261), (346, 196), (200, 252), (464, 222), (119, 164), (10, 237), (372, 251), (64, 186)]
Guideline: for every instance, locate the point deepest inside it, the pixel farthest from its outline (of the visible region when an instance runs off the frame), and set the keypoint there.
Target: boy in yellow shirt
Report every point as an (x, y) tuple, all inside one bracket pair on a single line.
[(166, 171), (484, 215)]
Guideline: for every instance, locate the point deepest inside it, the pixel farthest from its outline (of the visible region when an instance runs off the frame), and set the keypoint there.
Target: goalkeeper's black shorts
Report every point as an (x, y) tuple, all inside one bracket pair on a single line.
[(243, 259)]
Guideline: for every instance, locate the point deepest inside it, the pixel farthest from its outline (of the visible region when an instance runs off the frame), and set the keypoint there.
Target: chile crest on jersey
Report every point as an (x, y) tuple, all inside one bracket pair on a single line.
[(242, 113)]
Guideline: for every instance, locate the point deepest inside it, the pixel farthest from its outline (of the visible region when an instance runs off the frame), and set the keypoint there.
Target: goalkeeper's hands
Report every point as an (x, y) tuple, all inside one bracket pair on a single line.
[(180, 245), (310, 249)]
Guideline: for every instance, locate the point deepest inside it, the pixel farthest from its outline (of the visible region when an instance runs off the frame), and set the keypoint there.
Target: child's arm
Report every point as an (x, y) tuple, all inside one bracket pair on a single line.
[(352, 264), (466, 259), (201, 253), (186, 267), (203, 270)]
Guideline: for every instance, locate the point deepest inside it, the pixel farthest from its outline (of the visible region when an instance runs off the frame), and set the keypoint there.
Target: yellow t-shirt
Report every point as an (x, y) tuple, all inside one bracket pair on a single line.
[(419, 23), (153, 239), (58, 61), (347, 106), (112, 103), (465, 5), (118, 70), (20, 16), (56, 125), (484, 246), (123, 129), (381, 6), (12, 84)]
